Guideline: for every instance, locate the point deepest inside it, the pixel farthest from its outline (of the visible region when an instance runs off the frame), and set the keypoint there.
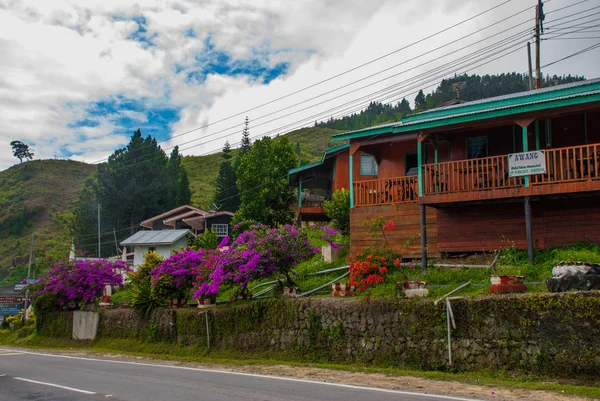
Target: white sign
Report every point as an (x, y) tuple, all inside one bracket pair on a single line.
[(527, 163)]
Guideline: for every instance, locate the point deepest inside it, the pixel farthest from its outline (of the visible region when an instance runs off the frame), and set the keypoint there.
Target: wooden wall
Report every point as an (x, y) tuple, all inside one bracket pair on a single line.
[(406, 219), (488, 227), (342, 171)]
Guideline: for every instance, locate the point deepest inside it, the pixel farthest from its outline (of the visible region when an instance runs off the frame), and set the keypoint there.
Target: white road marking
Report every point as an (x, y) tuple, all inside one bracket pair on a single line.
[(78, 390), (290, 379)]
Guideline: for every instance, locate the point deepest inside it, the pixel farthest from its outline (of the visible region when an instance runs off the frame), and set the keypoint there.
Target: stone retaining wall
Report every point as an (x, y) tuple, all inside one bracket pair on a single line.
[(555, 334)]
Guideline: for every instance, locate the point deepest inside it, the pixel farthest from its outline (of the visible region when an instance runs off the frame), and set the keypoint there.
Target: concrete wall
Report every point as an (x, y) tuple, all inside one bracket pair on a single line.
[(85, 325), (163, 250)]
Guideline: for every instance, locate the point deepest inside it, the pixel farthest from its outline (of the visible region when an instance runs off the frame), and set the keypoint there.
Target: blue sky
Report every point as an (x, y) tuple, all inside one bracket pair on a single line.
[(79, 77)]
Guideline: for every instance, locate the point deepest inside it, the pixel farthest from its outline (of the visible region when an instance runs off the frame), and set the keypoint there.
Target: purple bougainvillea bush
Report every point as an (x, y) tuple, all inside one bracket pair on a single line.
[(256, 253), (174, 277), (79, 282)]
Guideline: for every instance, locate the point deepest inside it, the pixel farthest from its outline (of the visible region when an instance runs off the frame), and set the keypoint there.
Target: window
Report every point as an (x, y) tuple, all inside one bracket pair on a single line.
[(151, 249), (368, 165), (222, 230), (411, 164), (477, 147)]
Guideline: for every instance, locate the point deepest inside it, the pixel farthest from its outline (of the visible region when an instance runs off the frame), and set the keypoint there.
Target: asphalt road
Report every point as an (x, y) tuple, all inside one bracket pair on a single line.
[(35, 376)]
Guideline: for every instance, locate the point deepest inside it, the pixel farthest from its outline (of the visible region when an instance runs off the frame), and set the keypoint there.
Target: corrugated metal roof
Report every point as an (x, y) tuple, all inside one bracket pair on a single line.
[(489, 105), (326, 154), (158, 237)]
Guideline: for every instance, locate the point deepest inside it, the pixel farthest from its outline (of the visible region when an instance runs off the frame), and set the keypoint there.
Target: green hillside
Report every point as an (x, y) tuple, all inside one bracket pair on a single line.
[(31, 197), (202, 170)]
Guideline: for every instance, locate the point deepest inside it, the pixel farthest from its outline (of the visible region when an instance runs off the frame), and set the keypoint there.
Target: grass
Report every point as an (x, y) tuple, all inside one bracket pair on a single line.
[(31, 195), (174, 352)]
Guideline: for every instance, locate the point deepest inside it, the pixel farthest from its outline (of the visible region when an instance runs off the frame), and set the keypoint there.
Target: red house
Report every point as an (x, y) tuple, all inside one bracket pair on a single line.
[(445, 179)]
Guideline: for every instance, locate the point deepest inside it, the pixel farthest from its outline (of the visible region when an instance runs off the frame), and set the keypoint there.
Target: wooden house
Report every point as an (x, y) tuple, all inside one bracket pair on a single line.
[(315, 183), (443, 175), (190, 218)]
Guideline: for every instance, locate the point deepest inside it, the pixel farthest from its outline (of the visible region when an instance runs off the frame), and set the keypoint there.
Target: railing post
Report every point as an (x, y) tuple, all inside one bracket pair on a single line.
[(351, 179)]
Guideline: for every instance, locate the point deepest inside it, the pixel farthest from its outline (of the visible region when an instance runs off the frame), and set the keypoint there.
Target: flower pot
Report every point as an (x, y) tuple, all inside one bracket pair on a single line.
[(412, 289), (177, 303), (206, 303), (508, 288), (342, 290), (414, 284), (495, 279), (290, 291), (508, 279)]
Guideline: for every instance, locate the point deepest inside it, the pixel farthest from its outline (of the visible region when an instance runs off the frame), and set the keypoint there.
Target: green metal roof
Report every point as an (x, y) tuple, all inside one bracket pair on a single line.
[(541, 99), (327, 153)]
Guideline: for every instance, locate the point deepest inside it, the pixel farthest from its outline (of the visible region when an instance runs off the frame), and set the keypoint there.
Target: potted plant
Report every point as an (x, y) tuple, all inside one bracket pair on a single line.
[(507, 280)]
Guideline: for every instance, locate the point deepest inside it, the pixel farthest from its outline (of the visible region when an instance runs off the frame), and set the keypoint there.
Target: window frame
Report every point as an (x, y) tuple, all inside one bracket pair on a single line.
[(215, 227), (360, 170)]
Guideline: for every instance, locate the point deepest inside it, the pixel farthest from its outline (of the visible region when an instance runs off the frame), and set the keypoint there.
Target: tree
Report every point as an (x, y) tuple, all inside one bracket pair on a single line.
[(178, 177), (140, 181), (21, 151), (404, 107), (226, 193), (338, 210), (245, 144), (420, 102), (262, 182)]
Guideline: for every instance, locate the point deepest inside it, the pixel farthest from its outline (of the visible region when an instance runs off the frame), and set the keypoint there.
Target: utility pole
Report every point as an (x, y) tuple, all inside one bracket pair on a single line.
[(29, 275), (116, 244), (539, 29), (530, 68), (99, 231)]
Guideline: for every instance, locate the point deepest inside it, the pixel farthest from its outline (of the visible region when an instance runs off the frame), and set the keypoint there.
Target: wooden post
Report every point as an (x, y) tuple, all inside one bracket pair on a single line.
[(420, 166), (351, 179), (423, 217), (537, 135), (529, 229), (525, 149), (299, 193), (585, 127)]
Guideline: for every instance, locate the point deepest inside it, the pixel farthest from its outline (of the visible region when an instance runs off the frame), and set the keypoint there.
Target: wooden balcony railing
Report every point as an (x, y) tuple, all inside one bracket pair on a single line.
[(314, 197), (572, 164), (577, 163), (386, 191)]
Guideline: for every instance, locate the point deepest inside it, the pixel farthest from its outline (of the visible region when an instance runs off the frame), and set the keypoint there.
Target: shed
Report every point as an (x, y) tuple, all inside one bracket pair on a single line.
[(163, 242)]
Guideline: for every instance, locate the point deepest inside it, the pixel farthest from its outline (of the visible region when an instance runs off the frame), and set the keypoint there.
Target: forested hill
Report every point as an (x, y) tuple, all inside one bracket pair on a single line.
[(469, 87)]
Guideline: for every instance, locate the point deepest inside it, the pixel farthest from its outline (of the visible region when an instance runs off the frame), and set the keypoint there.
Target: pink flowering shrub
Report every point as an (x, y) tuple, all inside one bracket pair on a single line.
[(173, 278), (257, 252), (82, 281)]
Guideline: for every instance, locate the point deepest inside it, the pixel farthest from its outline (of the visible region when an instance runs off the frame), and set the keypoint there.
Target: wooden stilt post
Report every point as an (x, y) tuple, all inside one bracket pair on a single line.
[(423, 217), (529, 229)]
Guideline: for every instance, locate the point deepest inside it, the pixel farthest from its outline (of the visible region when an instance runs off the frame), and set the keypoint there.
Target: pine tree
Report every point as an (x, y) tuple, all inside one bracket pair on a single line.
[(420, 101), (245, 144), (226, 193)]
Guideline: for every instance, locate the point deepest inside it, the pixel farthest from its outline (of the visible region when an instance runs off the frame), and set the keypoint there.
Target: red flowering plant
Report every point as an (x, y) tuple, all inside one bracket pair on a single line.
[(369, 266)]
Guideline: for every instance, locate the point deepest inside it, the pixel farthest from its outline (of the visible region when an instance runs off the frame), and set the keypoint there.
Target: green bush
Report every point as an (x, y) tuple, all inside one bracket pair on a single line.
[(338, 210), (207, 240)]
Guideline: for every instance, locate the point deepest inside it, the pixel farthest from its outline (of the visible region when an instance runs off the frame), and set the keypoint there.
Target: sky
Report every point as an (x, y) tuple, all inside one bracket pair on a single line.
[(77, 78)]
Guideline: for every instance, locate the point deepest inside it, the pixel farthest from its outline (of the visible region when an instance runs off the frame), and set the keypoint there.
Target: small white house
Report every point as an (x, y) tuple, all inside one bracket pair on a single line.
[(163, 242)]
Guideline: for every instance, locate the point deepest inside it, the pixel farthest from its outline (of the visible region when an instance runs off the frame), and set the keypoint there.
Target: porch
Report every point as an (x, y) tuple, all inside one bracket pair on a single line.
[(568, 170)]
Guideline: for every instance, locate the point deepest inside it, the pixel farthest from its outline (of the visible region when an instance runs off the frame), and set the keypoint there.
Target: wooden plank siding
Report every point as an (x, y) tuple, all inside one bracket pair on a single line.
[(489, 227), (408, 228)]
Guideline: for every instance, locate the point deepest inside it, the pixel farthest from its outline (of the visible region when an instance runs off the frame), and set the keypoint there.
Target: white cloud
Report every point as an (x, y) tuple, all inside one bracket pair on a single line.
[(59, 57)]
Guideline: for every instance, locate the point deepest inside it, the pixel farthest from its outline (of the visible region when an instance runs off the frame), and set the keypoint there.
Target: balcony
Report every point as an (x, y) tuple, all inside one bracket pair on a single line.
[(568, 170), (386, 191), (311, 201)]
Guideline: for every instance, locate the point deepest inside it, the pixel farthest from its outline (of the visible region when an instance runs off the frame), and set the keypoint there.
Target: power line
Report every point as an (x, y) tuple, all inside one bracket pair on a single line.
[(337, 75)]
